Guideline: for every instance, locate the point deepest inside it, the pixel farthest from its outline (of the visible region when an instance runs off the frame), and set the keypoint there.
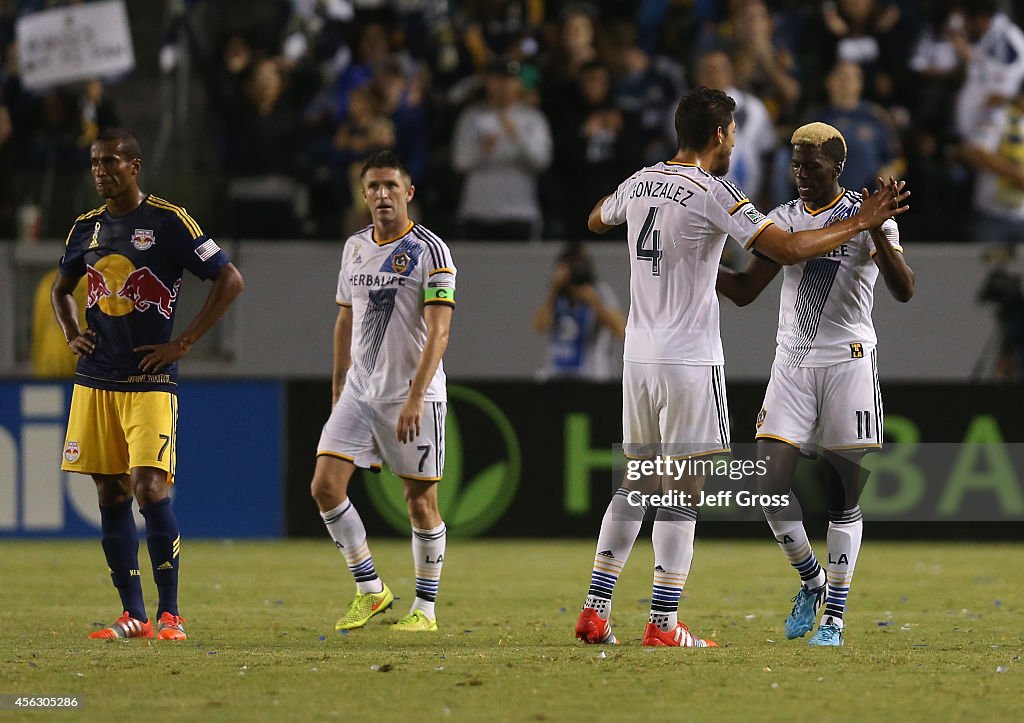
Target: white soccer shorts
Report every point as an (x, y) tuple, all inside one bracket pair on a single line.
[(675, 410), (364, 433), (836, 407)]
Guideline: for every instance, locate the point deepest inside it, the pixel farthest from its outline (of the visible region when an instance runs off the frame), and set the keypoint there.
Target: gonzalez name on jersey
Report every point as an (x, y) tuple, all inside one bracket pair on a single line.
[(679, 216)]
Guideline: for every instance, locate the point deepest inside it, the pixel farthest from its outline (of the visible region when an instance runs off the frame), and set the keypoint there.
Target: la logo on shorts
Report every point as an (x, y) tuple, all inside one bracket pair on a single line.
[(760, 417), (72, 452)]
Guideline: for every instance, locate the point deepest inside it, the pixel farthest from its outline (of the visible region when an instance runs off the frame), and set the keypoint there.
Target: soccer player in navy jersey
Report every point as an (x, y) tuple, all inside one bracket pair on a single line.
[(124, 410)]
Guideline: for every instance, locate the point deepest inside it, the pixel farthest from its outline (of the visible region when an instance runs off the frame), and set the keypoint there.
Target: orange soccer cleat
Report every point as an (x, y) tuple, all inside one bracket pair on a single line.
[(169, 627), (124, 627), (680, 637), (592, 629)]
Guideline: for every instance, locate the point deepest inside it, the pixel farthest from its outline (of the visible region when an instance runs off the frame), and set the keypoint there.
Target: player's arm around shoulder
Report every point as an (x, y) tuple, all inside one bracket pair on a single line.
[(742, 287), (875, 208)]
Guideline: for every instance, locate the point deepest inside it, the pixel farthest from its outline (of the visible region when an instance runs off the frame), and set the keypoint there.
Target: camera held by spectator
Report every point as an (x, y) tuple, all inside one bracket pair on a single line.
[(580, 315)]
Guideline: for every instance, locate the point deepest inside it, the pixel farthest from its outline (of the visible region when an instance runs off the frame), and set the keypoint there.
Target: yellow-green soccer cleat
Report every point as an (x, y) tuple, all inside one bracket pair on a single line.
[(416, 622), (363, 607)]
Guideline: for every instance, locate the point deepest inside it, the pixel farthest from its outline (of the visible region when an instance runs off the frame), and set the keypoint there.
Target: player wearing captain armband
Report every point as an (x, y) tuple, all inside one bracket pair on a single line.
[(396, 292)]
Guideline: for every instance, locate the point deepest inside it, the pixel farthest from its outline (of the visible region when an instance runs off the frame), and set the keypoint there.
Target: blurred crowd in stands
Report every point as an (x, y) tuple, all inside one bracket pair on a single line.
[(515, 116)]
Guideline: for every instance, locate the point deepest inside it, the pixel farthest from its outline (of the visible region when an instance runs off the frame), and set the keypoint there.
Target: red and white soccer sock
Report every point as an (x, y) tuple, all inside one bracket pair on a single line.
[(674, 528), (845, 531), (619, 528), (347, 530), (787, 525), (428, 558)]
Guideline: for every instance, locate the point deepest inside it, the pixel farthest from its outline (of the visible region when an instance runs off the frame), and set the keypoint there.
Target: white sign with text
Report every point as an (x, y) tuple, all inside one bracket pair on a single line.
[(74, 43)]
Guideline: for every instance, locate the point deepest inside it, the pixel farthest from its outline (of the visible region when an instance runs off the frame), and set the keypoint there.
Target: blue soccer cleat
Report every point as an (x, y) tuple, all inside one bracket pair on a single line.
[(828, 635), (805, 610)]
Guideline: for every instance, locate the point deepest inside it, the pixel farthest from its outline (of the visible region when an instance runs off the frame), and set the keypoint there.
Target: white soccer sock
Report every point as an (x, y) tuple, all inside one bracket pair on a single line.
[(845, 530), (428, 558), (619, 528), (787, 526), (674, 528), (347, 531)]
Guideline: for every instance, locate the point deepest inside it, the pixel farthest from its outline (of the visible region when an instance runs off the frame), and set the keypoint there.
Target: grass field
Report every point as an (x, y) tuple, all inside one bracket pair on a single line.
[(928, 626)]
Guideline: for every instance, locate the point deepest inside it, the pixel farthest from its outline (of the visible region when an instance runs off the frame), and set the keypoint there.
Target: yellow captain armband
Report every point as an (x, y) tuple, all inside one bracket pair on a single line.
[(439, 295)]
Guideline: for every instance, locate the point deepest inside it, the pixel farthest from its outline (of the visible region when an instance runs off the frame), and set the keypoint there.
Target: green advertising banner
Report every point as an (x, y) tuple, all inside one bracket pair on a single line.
[(525, 459)]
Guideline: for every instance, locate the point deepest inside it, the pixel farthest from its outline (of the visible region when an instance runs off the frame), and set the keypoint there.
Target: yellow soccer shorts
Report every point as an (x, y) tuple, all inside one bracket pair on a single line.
[(112, 432)]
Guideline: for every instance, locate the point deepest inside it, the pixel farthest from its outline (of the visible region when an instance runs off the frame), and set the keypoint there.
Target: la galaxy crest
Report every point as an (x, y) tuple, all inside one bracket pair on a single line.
[(403, 259), (400, 261)]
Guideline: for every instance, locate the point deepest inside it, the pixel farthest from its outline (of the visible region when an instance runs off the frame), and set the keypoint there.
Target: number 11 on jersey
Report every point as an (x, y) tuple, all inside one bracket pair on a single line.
[(652, 254)]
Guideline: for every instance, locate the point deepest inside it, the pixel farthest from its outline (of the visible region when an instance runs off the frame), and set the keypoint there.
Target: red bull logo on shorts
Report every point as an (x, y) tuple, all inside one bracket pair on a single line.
[(72, 452)]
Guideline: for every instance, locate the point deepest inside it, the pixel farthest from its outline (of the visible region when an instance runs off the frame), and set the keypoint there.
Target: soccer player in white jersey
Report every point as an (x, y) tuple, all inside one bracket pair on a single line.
[(396, 291), (824, 384), (678, 214)]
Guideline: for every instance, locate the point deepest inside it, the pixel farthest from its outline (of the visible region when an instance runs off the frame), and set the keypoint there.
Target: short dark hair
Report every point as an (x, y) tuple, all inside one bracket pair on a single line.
[(127, 140), (699, 114), (385, 159)]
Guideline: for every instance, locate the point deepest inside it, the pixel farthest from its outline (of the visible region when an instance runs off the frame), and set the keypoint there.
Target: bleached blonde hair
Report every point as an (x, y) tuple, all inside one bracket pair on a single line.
[(818, 134)]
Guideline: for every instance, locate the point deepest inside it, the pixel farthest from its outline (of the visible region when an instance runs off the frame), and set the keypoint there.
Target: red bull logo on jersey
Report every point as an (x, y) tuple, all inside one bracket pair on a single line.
[(145, 289), (135, 288), (143, 239), (98, 288)]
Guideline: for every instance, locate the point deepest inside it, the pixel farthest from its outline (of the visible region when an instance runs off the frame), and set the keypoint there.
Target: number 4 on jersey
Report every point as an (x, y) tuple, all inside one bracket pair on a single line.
[(652, 254)]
